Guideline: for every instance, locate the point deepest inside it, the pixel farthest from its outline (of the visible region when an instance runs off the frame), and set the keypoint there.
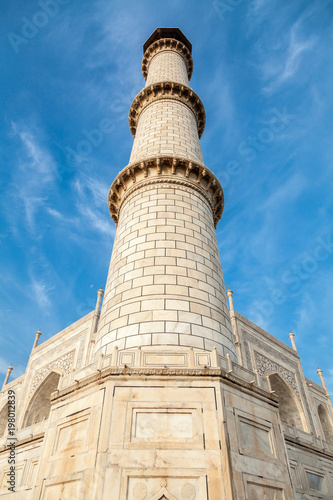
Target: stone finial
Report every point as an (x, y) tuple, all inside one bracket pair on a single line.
[(231, 302), (320, 373), (97, 314), (100, 294), (292, 339), (38, 334), (9, 371)]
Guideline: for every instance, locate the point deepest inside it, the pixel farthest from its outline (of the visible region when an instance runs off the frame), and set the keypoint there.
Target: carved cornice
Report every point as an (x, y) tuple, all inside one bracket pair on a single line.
[(167, 90), (301, 444), (217, 373), (166, 170), (22, 442), (167, 44)]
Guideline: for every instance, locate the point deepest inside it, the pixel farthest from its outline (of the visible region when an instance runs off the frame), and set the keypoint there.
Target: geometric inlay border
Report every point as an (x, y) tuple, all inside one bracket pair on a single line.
[(64, 363), (265, 365)]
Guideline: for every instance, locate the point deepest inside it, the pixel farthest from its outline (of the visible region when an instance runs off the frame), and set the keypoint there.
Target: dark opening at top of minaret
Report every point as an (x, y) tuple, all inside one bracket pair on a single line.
[(167, 33)]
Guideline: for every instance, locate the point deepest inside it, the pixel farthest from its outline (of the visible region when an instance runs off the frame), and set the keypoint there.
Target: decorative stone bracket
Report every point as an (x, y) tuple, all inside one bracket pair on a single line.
[(166, 170)]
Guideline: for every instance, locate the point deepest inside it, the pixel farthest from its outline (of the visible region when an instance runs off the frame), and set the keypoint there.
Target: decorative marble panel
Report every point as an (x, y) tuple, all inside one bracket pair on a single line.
[(162, 425), (250, 341), (72, 435), (64, 364), (262, 492), (167, 359), (168, 488), (255, 439), (265, 365), (68, 489)]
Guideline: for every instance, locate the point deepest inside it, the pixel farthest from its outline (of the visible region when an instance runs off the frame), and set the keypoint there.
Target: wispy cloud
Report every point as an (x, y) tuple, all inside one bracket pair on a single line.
[(41, 292), (294, 53), (97, 189), (96, 221), (224, 111), (33, 177), (288, 192), (257, 11), (305, 313), (91, 204), (54, 213), (286, 65), (40, 160), (280, 50), (117, 87), (3, 366), (17, 370)]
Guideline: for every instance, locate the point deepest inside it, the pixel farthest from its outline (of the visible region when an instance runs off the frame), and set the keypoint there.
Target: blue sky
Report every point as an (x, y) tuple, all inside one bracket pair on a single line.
[(263, 70)]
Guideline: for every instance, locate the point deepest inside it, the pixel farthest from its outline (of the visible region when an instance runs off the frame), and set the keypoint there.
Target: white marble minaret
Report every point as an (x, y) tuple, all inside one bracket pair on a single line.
[(146, 399), (165, 284)]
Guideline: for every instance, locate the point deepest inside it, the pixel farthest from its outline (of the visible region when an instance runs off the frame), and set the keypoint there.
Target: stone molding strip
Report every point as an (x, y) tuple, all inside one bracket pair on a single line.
[(218, 373), (167, 44), (166, 170), (167, 90), (304, 446), (22, 442)]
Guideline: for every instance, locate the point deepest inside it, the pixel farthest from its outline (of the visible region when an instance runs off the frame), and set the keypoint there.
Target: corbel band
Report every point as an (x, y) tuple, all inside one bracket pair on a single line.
[(167, 90), (167, 44), (168, 170)]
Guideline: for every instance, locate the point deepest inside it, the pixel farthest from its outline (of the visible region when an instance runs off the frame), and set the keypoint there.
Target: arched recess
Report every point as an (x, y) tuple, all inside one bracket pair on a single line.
[(289, 407), (326, 423), (163, 494), (40, 404), (3, 420)]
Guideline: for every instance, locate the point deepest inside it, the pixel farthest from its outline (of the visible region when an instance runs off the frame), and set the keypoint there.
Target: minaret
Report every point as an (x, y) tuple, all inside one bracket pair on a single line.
[(161, 409), (37, 337), (9, 371), (165, 285), (292, 340), (320, 373)]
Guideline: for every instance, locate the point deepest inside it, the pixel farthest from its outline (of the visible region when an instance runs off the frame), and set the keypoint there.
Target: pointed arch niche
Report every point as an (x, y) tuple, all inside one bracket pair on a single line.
[(289, 407), (3, 420), (326, 423), (163, 494), (40, 404)]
